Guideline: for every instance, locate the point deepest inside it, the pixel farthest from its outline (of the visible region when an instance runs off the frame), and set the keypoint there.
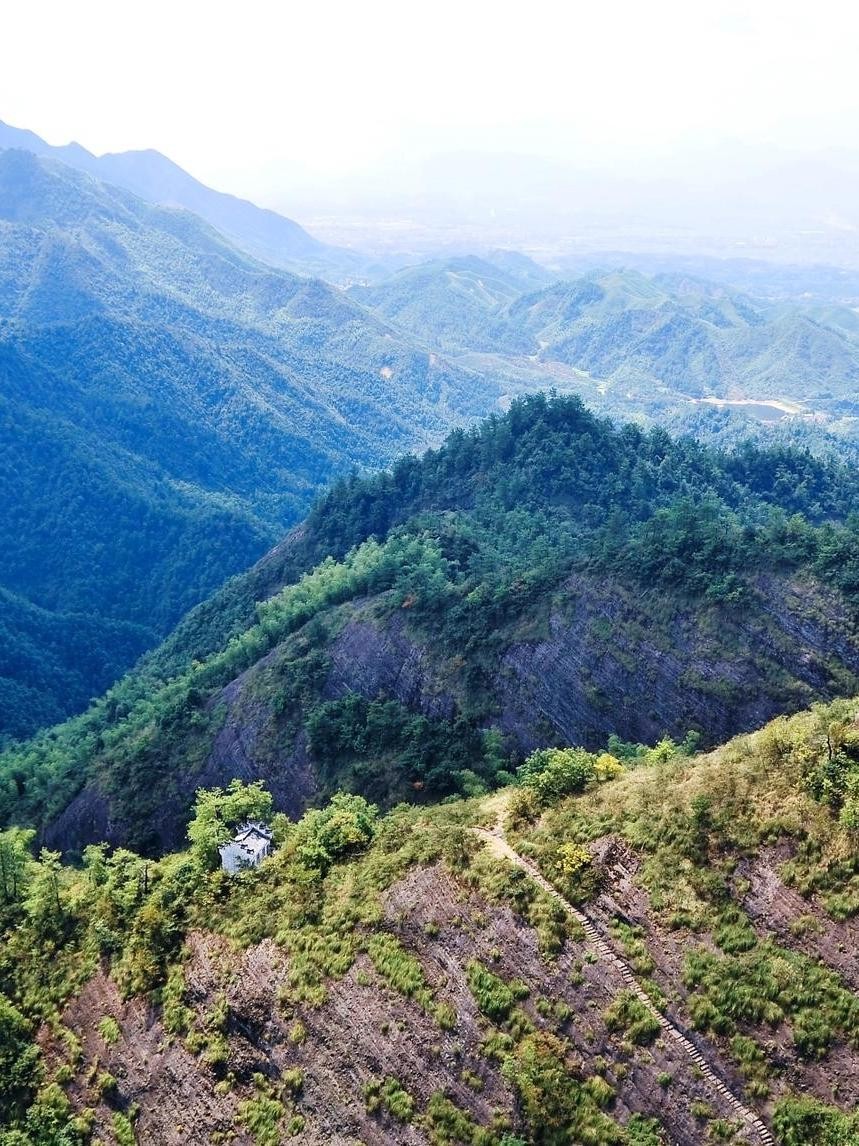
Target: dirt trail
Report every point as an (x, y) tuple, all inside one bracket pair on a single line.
[(495, 840)]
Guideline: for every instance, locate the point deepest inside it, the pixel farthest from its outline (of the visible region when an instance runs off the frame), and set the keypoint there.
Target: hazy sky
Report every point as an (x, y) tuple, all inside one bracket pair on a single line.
[(251, 95)]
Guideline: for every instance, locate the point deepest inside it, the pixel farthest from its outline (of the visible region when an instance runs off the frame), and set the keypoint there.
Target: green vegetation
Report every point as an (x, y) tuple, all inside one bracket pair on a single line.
[(19, 1062), (803, 1121), (469, 549), (628, 1014), (321, 899), (559, 1108), (170, 407), (262, 1115), (399, 969), (389, 1094), (643, 1131), (643, 345), (690, 820), (109, 1030), (447, 1125), (771, 985), (555, 772), (124, 1130), (218, 813), (493, 996)]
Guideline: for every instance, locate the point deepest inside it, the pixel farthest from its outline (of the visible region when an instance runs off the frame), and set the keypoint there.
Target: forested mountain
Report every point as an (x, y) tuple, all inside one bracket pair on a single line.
[(457, 303), (629, 343), (546, 577), (152, 176), (168, 407), (689, 337)]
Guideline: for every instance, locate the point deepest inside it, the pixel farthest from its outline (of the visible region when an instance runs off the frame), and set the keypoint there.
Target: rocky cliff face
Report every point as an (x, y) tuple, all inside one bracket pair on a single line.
[(366, 1030), (603, 659)]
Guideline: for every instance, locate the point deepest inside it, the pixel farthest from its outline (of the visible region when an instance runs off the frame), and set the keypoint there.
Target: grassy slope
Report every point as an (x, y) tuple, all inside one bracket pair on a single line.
[(466, 1005)]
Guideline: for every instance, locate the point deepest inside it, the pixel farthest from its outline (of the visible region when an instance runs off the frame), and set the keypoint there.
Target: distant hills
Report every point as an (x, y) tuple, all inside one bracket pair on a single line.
[(638, 343), (151, 175), (458, 303), (169, 406)]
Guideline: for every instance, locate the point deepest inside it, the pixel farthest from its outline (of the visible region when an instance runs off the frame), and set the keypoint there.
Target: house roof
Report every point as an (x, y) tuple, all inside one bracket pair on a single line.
[(249, 841), (252, 829)]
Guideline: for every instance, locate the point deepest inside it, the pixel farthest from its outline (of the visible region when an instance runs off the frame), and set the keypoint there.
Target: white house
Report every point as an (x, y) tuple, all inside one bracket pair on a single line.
[(249, 846)]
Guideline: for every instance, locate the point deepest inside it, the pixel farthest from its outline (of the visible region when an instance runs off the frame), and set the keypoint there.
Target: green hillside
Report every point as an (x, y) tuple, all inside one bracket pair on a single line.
[(169, 407), (456, 304), (622, 950), (640, 345), (544, 578)]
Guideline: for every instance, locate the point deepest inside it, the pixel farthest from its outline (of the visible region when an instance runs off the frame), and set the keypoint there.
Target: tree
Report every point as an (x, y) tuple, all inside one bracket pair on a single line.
[(345, 825), (15, 862), (557, 772), (45, 904), (19, 1063)]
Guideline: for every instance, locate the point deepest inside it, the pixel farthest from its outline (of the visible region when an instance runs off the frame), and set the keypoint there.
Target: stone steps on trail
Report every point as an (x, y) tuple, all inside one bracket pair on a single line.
[(604, 950)]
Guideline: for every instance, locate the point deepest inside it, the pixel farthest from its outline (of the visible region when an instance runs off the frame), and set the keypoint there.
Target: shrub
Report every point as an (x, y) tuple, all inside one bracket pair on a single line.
[(493, 996), (556, 772), (109, 1030), (175, 1015), (447, 1125), (123, 1130), (261, 1115), (643, 1131), (557, 1107), (20, 1066), (804, 1121), (324, 835), (628, 1014), (389, 1094), (399, 968)]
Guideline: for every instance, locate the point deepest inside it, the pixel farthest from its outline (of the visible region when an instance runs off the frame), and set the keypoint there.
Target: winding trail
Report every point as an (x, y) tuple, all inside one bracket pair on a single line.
[(494, 839)]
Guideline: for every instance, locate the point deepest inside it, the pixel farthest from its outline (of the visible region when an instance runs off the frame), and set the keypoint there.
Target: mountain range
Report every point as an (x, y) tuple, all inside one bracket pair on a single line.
[(545, 715), (170, 405), (150, 175), (630, 343)]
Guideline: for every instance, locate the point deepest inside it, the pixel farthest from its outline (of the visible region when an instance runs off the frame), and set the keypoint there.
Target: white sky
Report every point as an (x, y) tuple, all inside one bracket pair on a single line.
[(249, 94)]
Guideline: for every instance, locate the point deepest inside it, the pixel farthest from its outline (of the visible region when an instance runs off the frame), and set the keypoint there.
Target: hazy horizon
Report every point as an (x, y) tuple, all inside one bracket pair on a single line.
[(728, 130)]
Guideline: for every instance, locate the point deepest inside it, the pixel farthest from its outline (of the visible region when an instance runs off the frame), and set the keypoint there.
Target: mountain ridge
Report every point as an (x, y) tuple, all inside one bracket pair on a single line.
[(174, 389), (269, 236), (668, 586)]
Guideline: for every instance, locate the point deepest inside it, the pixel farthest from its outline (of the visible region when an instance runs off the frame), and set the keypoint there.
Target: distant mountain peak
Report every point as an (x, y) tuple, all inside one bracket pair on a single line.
[(146, 172)]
